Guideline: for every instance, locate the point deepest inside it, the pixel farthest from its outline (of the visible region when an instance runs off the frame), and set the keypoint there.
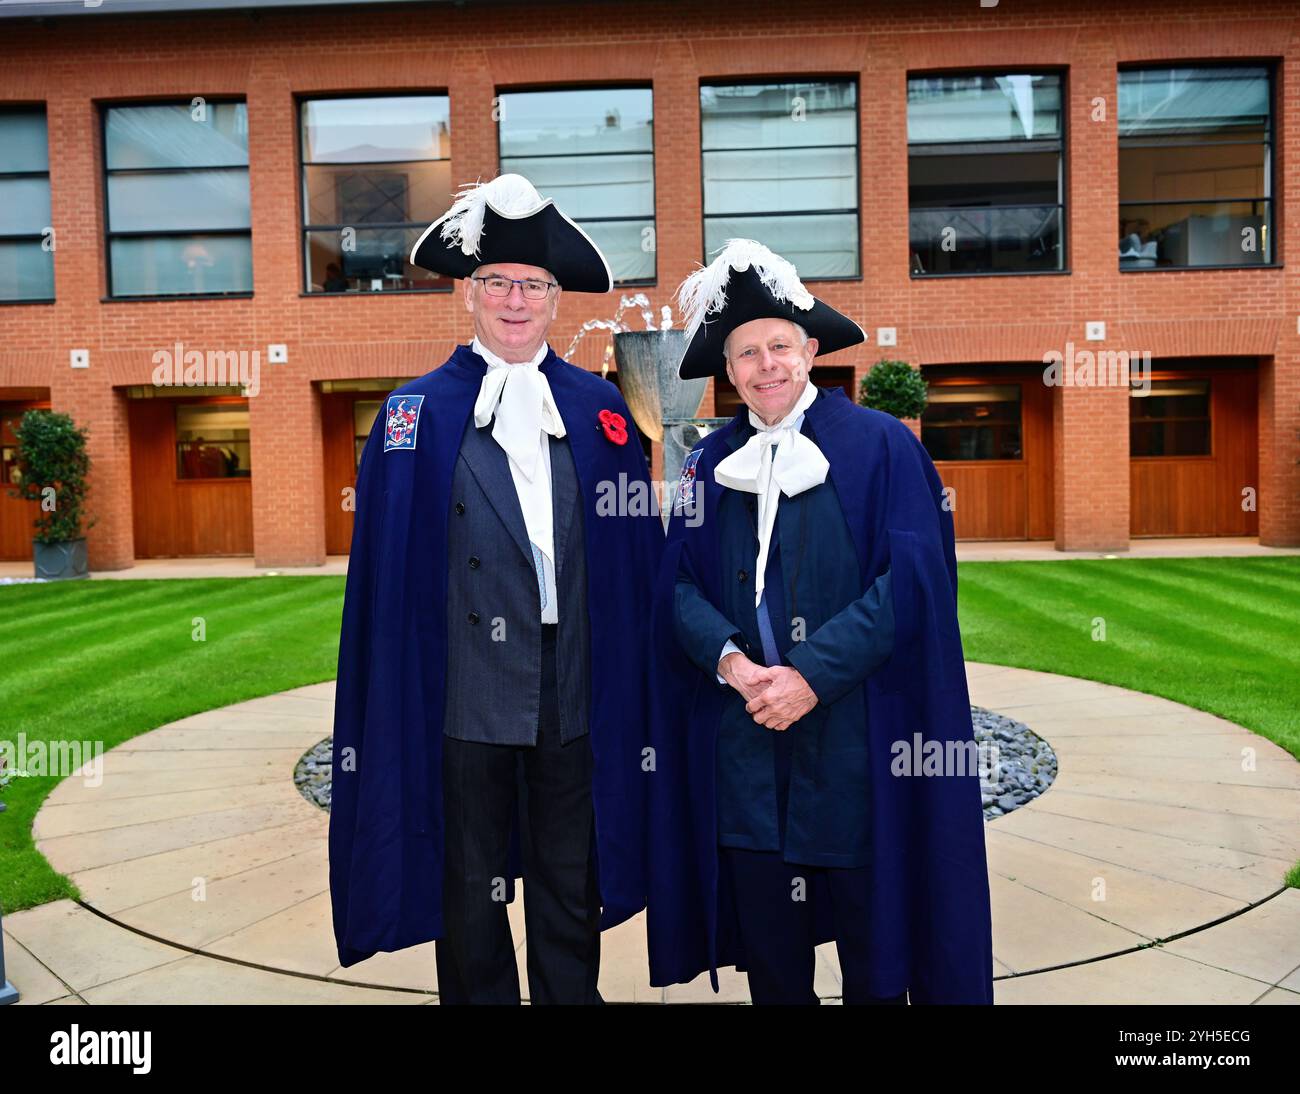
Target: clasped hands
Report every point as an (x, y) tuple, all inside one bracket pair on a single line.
[(775, 697)]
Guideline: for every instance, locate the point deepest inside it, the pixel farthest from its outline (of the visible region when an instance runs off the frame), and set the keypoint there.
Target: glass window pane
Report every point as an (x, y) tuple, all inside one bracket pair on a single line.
[(24, 143), (1211, 171), (391, 128), (26, 271), (212, 441), (1019, 178), (786, 115), (24, 205), (162, 201), (819, 244), (628, 245), (172, 265), (1204, 101), (984, 240), (775, 180), (549, 123), (1200, 234), (972, 422), (374, 261), (350, 194), (1170, 419), (593, 186), (364, 412), (176, 136), (984, 107)]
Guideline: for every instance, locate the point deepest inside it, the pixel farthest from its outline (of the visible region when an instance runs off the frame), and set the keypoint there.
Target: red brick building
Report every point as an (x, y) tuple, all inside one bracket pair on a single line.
[(985, 189)]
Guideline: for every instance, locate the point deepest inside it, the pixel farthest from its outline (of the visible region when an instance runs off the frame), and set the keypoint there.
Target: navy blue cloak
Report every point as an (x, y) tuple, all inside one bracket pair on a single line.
[(931, 924), (386, 822)]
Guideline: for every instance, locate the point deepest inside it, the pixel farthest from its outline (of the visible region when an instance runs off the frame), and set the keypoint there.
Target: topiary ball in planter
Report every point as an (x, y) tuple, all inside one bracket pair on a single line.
[(894, 387)]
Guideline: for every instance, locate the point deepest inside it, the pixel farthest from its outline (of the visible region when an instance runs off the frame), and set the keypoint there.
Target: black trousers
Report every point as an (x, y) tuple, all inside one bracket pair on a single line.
[(777, 929), (476, 955)]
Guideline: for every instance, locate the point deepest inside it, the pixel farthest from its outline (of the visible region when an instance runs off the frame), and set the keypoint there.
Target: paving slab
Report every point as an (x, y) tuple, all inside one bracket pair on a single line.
[(196, 839)]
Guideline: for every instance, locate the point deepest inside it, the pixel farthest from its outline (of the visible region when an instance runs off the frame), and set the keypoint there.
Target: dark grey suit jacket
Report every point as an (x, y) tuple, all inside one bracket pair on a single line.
[(494, 605)]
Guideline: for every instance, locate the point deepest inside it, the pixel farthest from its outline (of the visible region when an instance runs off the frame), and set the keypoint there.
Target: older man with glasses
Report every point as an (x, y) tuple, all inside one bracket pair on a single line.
[(493, 659)]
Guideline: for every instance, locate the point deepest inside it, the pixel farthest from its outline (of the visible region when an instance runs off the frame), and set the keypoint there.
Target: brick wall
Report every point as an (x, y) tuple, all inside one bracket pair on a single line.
[(472, 51)]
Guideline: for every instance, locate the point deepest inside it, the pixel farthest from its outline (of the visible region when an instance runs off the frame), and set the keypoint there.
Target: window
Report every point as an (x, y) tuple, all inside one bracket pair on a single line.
[(985, 175), (176, 191), (1171, 419), (780, 163), (591, 150), (26, 260), (975, 422), (10, 473), (364, 413), (376, 172), (212, 441), (1195, 167)]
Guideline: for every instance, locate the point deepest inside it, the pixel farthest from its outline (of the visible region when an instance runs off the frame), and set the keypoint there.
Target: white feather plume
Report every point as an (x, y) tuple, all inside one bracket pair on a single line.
[(510, 195), (704, 292)]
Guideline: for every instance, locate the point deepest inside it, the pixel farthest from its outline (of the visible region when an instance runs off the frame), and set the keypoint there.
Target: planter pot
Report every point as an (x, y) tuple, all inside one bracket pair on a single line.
[(60, 561)]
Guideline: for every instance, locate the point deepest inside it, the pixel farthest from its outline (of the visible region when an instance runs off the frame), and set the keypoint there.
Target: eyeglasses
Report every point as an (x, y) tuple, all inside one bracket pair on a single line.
[(533, 289)]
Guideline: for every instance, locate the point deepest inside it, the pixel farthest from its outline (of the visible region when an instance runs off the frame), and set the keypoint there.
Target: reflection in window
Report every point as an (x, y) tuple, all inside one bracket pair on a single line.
[(10, 473), (1195, 167), (781, 166), (212, 441), (376, 172), (26, 260), (364, 412), (592, 150), (963, 422), (1171, 419), (985, 190), (178, 200)]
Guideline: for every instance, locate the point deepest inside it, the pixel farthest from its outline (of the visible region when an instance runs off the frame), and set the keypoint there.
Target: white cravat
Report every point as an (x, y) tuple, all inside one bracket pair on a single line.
[(776, 460), (520, 398)]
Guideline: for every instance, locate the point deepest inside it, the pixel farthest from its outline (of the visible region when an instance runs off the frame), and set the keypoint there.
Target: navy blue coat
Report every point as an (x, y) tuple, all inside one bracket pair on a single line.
[(930, 910), (825, 753), (386, 822)]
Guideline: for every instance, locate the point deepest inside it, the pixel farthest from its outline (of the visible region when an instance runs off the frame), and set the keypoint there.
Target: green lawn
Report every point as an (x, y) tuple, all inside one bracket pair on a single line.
[(106, 660), (1219, 634)]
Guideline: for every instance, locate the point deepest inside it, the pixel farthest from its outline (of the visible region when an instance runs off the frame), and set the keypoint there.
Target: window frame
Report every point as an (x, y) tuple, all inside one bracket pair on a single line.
[(41, 108), (966, 382), (1186, 377), (1062, 170), (1271, 65), (299, 100), (104, 106), (184, 401), (599, 85), (764, 81)]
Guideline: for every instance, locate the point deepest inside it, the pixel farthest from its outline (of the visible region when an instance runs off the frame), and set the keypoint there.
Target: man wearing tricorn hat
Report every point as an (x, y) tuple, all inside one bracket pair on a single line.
[(806, 612), (488, 717)]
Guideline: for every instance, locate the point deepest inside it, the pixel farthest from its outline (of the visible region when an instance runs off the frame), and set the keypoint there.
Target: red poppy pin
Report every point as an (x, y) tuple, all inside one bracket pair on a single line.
[(614, 425)]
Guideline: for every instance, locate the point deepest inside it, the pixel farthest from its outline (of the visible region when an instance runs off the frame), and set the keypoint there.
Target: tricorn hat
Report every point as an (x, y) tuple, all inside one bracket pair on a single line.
[(747, 281), (507, 220)]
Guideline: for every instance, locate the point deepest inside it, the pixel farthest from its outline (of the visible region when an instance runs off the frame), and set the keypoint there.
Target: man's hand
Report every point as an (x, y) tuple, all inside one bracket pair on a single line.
[(783, 698), (740, 672)]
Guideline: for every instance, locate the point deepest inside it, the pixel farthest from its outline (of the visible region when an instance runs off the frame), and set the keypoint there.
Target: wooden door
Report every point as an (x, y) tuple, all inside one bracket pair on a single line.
[(346, 418), (990, 436), (1195, 451), (196, 514), (16, 516)]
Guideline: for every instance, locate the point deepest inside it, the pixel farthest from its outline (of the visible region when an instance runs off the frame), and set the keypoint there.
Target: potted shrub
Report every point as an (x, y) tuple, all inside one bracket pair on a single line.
[(52, 468), (894, 387)]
